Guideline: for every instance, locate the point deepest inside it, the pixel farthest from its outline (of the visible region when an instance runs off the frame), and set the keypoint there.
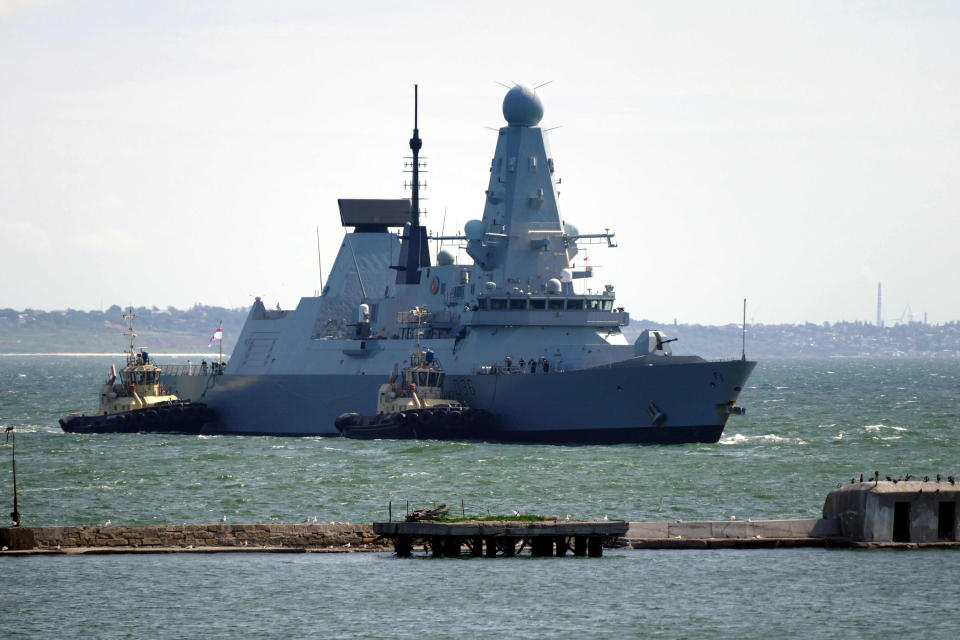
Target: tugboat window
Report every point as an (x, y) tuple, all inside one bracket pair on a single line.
[(555, 304), (432, 380), (518, 304), (538, 303), (575, 304), (498, 304), (422, 378)]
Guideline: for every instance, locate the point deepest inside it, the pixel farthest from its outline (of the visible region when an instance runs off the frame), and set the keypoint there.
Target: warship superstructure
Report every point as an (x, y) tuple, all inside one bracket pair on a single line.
[(293, 372)]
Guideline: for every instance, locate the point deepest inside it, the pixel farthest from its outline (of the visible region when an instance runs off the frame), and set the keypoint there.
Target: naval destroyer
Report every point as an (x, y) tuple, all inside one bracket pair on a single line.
[(293, 372)]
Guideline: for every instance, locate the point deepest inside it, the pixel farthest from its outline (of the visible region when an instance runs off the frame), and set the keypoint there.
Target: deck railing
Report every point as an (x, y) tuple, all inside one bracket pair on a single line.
[(190, 370)]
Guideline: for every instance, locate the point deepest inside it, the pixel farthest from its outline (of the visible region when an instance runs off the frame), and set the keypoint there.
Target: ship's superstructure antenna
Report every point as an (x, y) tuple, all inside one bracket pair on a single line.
[(319, 261), (743, 347), (415, 252)]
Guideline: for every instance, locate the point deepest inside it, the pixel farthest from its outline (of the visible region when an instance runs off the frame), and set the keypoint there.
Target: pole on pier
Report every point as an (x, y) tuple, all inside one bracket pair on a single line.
[(15, 514)]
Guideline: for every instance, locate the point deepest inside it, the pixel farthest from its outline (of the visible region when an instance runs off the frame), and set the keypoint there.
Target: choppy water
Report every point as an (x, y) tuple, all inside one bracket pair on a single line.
[(809, 425)]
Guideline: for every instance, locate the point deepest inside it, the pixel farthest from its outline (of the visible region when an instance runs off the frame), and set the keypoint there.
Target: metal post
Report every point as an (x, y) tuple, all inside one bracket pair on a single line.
[(390, 510), (15, 514)]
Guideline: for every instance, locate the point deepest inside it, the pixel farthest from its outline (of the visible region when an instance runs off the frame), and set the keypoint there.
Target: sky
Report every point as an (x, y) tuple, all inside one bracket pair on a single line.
[(794, 154)]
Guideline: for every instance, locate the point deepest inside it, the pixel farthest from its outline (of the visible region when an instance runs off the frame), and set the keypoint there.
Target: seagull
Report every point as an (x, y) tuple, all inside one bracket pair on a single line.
[(347, 545), (223, 520), (314, 519), (107, 523), (605, 518), (515, 512), (733, 517), (568, 517)]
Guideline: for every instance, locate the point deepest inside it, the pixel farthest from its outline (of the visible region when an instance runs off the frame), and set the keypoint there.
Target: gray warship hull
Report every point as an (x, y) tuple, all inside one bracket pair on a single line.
[(605, 405), (517, 336)]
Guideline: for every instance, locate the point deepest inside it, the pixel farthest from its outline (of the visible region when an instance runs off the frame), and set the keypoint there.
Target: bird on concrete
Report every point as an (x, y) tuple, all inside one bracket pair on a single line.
[(605, 518), (223, 520), (852, 480), (876, 476), (568, 517), (938, 477), (515, 512), (907, 477), (926, 478), (950, 479), (861, 477), (889, 479), (107, 523)]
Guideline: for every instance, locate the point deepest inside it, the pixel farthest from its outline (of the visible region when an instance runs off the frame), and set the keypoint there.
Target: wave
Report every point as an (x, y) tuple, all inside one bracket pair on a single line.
[(878, 427), (739, 438)]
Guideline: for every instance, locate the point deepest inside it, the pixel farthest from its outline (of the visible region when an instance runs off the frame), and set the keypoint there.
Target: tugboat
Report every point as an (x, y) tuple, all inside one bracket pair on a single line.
[(413, 405), (138, 403)]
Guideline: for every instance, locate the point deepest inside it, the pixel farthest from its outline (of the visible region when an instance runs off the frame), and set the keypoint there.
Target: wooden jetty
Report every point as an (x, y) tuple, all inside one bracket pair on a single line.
[(505, 538)]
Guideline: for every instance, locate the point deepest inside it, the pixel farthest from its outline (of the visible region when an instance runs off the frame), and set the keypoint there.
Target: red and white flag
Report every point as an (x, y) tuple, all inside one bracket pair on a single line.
[(217, 335)]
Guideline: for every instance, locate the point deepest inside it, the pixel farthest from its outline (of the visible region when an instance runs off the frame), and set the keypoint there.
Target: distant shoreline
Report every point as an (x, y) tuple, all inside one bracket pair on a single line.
[(117, 354)]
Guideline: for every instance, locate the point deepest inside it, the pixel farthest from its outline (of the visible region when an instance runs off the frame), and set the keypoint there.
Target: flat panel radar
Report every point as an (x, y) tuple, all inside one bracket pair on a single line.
[(370, 215)]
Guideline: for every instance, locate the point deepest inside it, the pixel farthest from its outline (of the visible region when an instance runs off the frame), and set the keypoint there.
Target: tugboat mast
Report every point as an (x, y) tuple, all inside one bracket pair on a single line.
[(129, 316)]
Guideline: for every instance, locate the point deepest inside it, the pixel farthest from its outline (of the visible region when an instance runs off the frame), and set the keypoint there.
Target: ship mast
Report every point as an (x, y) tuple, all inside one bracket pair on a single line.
[(414, 253), (129, 316)]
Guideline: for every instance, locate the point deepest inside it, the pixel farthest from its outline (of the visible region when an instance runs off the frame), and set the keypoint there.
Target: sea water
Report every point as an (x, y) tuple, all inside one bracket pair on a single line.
[(810, 424)]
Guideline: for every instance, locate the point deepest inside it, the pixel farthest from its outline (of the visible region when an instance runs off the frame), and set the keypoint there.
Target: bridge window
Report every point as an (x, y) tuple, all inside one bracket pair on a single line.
[(518, 304), (606, 305), (538, 303), (593, 304), (555, 304), (575, 304), (498, 304), (482, 304)]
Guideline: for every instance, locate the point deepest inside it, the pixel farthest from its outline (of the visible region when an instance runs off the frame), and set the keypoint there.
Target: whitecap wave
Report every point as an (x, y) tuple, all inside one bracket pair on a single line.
[(739, 438), (878, 427)]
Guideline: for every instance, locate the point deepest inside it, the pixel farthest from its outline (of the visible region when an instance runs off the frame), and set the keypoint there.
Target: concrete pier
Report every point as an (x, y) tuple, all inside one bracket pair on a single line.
[(190, 537), (501, 537)]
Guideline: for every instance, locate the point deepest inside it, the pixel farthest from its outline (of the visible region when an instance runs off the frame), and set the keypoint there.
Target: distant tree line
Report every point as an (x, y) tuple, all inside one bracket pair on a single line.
[(913, 339), (189, 330), (73, 330)]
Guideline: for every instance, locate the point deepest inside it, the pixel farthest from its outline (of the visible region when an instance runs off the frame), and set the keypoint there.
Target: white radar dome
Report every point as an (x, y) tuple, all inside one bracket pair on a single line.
[(444, 257), (522, 107), (473, 230), (553, 285)]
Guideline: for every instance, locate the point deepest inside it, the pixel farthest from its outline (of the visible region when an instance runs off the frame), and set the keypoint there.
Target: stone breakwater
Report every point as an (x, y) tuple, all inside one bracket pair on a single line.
[(156, 537)]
